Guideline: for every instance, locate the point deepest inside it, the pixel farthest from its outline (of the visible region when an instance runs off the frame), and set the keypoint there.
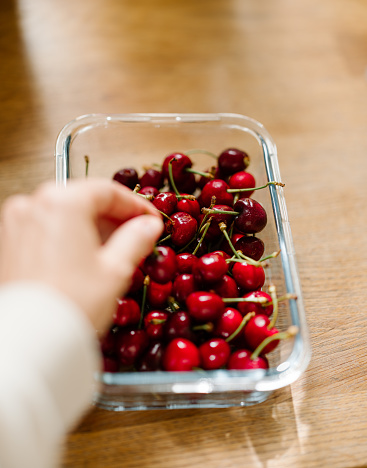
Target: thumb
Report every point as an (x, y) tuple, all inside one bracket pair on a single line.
[(130, 243)]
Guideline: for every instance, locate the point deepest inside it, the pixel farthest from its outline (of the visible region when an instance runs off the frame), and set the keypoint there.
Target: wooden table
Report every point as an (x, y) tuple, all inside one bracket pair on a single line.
[(299, 68)]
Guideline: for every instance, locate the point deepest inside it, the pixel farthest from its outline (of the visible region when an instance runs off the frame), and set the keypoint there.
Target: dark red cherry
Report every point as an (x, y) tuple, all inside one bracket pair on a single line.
[(248, 277), (127, 312), (204, 306), (250, 246), (154, 322), (256, 331), (252, 217), (110, 364), (180, 162), (214, 353), (216, 219), (224, 245), (258, 308), (242, 180), (151, 360), (131, 345), (158, 293), (181, 355), (233, 160), (217, 188), (241, 360), (178, 325), (225, 287), (149, 191), (183, 286), (161, 264), (108, 343), (210, 268), (127, 176), (191, 207), (182, 228), (227, 323), (151, 178), (165, 202), (137, 281), (185, 262)]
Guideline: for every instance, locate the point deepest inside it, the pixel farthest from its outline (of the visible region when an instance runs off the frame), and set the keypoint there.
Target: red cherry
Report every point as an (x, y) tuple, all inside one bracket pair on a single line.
[(183, 286), (182, 228), (127, 176), (110, 364), (217, 218), (154, 322), (185, 262), (108, 343), (242, 180), (222, 253), (181, 355), (249, 277), (127, 312), (191, 207), (233, 160), (226, 287), (152, 358), (255, 332), (258, 308), (188, 184), (241, 360), (137, 281), (180, 162), (204, 180), (204, 306), (224, 245), (252, 217), (250, 246), (149, 191), (165, 202), (227, 323), (161, 264), (151, 178), (178, 325), (214, 353), (210, 268), (217, 188), (131, 344), (158, 293)]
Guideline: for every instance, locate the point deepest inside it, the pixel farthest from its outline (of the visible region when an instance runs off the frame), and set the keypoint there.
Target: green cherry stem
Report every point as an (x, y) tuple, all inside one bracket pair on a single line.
[(223, 228), (243, 259), (259, 300), (170, 175), (201, 151), (208, 175), (273, 255), (282, 298), (208, 327), (273, 294), (290, 333), (144, 299), (251, 189), (205, 230), (164, 239), (245, 319), (215, 211), (86, 159)]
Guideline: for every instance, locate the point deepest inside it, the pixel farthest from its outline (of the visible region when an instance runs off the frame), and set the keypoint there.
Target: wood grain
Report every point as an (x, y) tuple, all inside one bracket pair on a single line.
[(300, 69)]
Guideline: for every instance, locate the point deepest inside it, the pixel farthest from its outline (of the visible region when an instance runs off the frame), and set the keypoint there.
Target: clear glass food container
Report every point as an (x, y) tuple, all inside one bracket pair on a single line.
[(137, 140)]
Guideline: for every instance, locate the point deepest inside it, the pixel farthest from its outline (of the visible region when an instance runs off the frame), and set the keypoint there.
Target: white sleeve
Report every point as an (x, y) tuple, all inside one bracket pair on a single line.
[(48, 356)]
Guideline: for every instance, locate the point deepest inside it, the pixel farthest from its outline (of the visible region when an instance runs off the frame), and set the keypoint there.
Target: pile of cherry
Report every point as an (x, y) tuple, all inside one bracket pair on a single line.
[(198, 300)]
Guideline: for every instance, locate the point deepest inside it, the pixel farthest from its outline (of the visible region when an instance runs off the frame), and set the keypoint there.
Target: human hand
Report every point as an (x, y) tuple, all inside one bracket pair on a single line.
[(85, 240)]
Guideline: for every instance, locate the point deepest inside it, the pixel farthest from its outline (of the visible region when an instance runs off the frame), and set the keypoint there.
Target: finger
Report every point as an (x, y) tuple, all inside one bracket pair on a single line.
[(100, 198), (130, 243)]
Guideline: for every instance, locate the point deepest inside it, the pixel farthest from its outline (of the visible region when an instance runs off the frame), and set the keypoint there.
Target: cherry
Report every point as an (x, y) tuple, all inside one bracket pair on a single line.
[(187, 185), (131, 344), (179, 162), (161, 264), (153, 323), (185, 262), (219, 214), (178, 325), (225, 244), (227, 323), (189, 206), (214, 353), (210, 268), (226, 287), (204, 306), (110, 364), (242, 180), (204, 180), (233, 160), (158, 293), (247, 276), (257, 307), (250, 246), (183, 286), (165, 202), (108, 343), (149, 191), (152, 178), (127, 312), (252, 216), (256, 330), (151, 360), (216, 188), (182, 228), (242, 360), (137, 281), (181, 355), (127, 176)]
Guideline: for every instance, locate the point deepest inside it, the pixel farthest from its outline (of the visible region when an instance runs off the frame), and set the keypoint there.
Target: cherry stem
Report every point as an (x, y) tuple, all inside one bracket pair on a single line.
[(165, 215), (143, 300), (292, 331), (273, 294), (86, 159), (206, 227), (282, 298), (250, 189), (208, 327), (208, 175), (170, 174), (245, 319), (223, 228), (273, 255), (201, 151), (164, 239), (215, 211), (243, 259), (259, 300), (172, 304), (137, 188), (157, 321), (206, 215)]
